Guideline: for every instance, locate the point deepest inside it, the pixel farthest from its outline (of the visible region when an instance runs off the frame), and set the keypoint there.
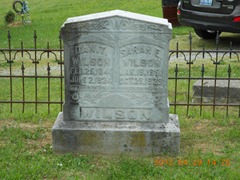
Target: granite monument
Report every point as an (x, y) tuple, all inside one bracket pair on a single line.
[(116, 79)]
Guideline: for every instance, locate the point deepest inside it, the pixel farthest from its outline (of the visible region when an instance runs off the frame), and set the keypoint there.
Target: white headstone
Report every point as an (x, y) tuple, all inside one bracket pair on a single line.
[(116, 67), (116, 77)]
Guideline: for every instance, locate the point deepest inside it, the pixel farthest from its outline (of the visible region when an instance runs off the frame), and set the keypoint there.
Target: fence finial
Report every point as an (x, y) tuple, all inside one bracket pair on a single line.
[(217, 38), (190, 36), (48, 69), (35, 35), (9, 35), (176, 70), (22, 68)]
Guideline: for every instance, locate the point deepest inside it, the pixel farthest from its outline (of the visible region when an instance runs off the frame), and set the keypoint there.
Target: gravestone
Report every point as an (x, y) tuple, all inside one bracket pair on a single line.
[(224, 90), (116, 78)]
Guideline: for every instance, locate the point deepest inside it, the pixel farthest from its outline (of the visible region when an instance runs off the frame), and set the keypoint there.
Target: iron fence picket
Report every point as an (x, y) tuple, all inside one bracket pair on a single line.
[(190, 56)]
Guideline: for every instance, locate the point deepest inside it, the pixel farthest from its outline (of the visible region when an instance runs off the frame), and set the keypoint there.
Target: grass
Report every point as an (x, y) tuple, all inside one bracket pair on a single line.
[(181, 35), (209, 146), (209, 149), (48, 16)]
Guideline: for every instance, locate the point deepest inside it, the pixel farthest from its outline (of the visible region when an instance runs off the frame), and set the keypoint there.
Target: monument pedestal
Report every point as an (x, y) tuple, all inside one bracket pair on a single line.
[(116, 137), (116, 86)]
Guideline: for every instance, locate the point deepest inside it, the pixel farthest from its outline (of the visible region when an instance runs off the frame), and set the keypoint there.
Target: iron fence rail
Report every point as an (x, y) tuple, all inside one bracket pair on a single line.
[(10, 76), (35, 55)]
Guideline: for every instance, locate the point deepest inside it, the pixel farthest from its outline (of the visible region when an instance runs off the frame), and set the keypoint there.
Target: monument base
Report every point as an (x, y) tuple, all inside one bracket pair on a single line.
[(116, 137)]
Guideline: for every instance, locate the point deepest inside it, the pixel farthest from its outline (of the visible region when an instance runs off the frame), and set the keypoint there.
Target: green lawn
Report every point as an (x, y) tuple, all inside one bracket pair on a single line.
[(48, 16), (209, 150), (210, 147)]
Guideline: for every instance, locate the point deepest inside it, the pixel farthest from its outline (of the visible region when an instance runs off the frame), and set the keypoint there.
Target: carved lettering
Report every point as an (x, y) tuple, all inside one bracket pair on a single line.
[(132, 114), (140, 72), (145, 116), (91, 65), (136, 63), (115, 69), (74, 70), (90, 48), (99, 62), (115, 114), (95, 66), (87, 113), (107, 114), (136, 49), (140, 65), (95, 80), (120, 114), (140, 81)]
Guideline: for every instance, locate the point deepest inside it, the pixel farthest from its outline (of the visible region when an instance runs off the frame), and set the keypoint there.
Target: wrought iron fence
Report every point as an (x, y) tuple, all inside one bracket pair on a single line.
[(220, 94), (43, 84), (12, 76)]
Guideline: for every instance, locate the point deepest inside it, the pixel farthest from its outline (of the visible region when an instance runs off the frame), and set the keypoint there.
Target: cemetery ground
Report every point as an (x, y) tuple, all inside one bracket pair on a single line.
[(210, 146), (209, 149)]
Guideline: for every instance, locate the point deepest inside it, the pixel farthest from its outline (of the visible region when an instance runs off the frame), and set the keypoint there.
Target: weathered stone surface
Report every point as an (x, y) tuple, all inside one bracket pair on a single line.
[(116, 137), (116, 67), (116, 78), (225, 90)]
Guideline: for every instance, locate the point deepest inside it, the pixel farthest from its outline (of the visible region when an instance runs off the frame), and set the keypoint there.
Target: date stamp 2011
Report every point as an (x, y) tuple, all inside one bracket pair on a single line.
[(195, 162)]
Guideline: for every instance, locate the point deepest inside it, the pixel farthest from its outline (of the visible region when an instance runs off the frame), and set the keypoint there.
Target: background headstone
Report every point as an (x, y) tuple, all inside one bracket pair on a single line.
[(116, 73), (222, 91)]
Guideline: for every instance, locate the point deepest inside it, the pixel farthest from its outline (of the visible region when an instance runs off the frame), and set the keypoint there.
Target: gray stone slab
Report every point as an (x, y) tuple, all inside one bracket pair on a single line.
[(116, 79), (116, 67), (224, 90), (116, 137)]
